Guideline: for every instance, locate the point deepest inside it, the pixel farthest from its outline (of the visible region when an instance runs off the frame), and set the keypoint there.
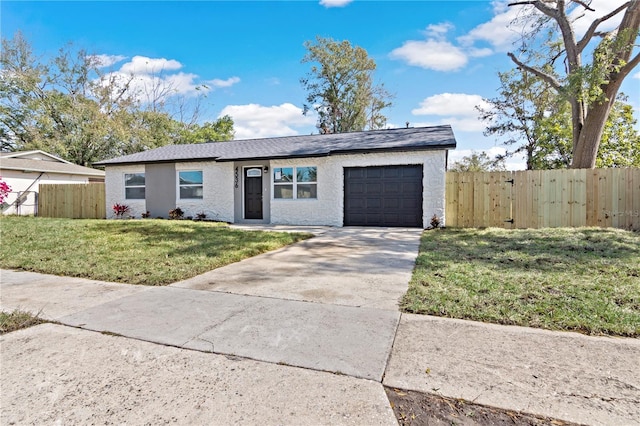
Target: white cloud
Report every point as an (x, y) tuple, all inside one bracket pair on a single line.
[(450, 104), (216, 82), (505, 28), (480, 53), (258, 121), (431, 54), (601, 8), (334, 3), (145, 65), (456, 109), (155, 79), (438, 30), (104, 61), (637, 75), (509, 23)]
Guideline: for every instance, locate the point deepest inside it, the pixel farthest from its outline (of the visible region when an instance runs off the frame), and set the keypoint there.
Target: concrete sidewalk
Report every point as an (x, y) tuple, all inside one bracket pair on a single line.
[(569, 376), (52, 374), (338, 339)]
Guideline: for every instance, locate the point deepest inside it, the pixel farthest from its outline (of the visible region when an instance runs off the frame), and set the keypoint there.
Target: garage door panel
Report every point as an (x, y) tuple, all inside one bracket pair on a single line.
[(383, 196)]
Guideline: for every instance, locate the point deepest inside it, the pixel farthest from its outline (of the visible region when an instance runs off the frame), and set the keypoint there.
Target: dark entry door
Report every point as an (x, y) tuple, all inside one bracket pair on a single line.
[(383, 196), (253, 193)]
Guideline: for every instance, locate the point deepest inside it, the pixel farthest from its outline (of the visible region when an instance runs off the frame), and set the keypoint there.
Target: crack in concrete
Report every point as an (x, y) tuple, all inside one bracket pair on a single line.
[(212, 326)]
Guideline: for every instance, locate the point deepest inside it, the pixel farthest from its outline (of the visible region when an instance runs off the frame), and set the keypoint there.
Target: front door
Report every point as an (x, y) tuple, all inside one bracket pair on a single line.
[(253, 193)]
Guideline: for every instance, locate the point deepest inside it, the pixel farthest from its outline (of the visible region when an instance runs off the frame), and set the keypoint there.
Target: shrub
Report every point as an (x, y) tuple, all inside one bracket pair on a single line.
[(146, 215), (5, 189), (120, 210), (176, 213), (201, 216), (435, 222)]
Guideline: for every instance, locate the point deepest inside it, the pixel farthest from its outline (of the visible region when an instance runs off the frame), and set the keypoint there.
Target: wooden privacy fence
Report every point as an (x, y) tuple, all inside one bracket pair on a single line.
[(76, 201), (544, 199)]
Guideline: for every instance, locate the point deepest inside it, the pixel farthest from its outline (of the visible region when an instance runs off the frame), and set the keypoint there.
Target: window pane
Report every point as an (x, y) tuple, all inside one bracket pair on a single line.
[(191, 192), (190, 178), (134, 193), (283, 174), (283, 191), (134, 179), (307, 190), (306, 174)]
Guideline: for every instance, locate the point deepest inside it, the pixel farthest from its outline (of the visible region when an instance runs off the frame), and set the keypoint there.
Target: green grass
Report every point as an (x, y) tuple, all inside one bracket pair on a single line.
[(149, 252), (12, 321), (584, 279)]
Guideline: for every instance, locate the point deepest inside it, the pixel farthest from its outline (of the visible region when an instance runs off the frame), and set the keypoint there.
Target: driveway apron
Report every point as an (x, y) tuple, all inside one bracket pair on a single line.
[(353, 266)]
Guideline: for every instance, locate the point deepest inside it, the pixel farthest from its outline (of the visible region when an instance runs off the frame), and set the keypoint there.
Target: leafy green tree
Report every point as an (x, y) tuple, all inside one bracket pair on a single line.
[(66, 106), (219, 130), (532, 119), (523, 101), (590, 88), (340, 87), (478, 162)]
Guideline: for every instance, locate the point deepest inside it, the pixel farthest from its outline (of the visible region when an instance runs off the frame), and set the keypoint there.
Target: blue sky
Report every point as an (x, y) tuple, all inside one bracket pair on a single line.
[(439, 58)]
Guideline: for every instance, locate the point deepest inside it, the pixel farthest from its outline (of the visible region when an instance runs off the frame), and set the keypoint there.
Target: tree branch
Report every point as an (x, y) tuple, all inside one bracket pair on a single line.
[(626, 69), (549, 11), (583, 4), (594, 26), (544, 76)]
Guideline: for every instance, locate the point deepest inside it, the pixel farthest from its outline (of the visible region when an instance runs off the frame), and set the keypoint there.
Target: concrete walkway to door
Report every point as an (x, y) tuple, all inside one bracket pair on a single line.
[(353, 266)]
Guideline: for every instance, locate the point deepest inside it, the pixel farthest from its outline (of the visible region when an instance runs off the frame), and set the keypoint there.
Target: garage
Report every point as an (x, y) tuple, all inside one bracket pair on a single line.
[(383, 196)]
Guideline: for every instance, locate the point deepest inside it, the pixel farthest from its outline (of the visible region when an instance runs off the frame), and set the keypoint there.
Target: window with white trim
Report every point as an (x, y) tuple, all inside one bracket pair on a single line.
[(190, 182), (295, 182), (134, 185)]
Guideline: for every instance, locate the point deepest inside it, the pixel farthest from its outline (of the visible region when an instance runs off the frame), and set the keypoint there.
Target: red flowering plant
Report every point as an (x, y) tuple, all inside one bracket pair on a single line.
[(5, 189), (120, 210)]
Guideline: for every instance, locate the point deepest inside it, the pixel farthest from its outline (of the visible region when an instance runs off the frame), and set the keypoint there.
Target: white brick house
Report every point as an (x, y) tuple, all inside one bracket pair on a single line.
[(375, 178)]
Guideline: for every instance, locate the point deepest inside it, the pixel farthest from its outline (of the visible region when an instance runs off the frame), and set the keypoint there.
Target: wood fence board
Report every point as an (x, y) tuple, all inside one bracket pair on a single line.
[(77, 201), (478, 199), (451, 200), (545, 198)]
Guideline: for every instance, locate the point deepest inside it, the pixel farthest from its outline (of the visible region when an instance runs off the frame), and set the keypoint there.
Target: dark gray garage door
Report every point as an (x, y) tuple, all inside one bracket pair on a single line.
[(383, 196)]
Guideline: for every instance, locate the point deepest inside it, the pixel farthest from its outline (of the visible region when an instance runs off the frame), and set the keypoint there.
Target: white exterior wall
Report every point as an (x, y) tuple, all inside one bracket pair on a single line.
[(328, 208), (20, 181), (217, 187), (114, 190)]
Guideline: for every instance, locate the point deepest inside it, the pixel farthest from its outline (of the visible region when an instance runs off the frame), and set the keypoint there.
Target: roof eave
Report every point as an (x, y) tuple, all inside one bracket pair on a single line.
[(35, 170), (284, 156)]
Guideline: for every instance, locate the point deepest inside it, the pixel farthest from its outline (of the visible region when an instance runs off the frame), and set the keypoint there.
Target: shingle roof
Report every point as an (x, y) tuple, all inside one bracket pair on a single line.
[(408, 139), (25, 164)]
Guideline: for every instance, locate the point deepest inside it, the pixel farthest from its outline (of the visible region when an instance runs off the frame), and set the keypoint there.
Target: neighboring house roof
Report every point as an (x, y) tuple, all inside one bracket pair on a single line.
[(43, 166), (408, 139), (33, 155)]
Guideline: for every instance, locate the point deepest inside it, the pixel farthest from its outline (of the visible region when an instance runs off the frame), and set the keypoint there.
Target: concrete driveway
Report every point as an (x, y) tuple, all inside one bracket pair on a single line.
[(353, 266)]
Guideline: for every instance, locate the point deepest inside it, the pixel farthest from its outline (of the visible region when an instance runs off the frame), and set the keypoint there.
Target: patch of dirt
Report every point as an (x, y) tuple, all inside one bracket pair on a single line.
[(417, 409)]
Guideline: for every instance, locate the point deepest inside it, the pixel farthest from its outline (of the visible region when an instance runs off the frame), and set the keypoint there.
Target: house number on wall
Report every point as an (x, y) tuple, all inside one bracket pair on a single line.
[(236, 178)]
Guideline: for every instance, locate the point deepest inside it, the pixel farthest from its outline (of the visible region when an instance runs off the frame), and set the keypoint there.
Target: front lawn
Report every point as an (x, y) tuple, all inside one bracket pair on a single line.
[(584, 279), (149, 252)]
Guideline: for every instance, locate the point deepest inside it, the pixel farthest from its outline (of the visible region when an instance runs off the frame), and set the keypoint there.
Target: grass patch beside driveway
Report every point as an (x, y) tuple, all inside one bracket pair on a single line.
[(16, 320), (149, 252), (584, 279)]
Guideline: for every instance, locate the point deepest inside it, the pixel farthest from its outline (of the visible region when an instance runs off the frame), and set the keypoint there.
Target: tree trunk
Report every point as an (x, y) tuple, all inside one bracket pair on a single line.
[(586, 150)]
